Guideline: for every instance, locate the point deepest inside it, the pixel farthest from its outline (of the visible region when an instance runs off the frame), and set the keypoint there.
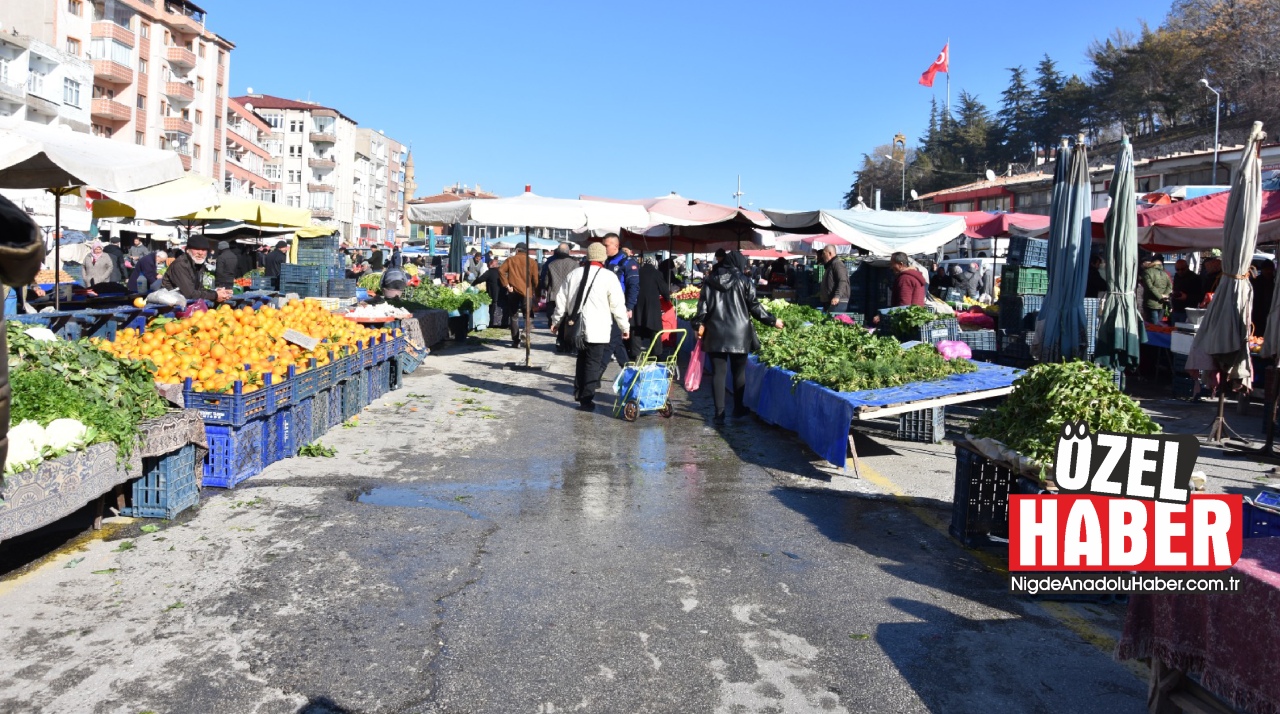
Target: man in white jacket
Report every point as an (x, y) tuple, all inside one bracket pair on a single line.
[(594, 296)]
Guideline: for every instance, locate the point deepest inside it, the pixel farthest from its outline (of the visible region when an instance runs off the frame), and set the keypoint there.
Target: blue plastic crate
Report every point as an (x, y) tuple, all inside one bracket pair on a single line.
[(1260, 522), (279, 437), (366, 355), (167, 486), (409, 363), (340, 288), (234, 409), (306, 384), (1018, 312), (303, 423), (978, 340), (330, 243), (320, 414), (353, 395), (1028, 252), (281, 393), (926, 426), (235, 453)]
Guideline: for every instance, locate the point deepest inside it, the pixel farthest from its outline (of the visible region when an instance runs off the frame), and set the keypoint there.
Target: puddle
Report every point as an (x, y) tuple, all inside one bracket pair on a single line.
[(401, 497), (447, 495)]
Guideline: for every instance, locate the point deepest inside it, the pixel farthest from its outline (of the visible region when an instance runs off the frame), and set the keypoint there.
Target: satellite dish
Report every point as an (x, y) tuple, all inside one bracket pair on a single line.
[(991, 175), (248, 106), (914, 196)]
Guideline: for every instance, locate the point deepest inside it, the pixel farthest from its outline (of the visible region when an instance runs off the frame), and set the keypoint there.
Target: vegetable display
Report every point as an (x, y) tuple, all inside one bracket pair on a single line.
[(691, 292), (370, 281), (686, 309), (1049, 396), (906, 321), (441, 297), (217, 348), (844, 358), (55, 380)]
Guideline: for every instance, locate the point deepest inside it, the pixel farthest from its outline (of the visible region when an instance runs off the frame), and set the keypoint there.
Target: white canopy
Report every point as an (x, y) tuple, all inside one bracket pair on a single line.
[(39, 156), (529, 209), (877, 232), (170, 199)]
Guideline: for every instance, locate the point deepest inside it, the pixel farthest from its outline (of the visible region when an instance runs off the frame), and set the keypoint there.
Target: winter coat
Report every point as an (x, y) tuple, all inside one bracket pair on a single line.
[(118, 273), (21, 251), (603, 303), (555, 272), (520, 273), (648, 310), (187, 278), (138, 251), (725, 308), (628, 272), (102, 270), (908, 288), (144, 267), (228, 269), (493, 285), (271, 264), (835, 282), (1187, 283), (1156, 286)]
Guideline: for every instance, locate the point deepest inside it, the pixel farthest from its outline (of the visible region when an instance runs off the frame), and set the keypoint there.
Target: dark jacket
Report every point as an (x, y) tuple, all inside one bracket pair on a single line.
[(144, 267), (1096, 285), (21, 251), (224, 276), (908, 288), (188, 278), (492, 280), (375, 260), (725, 308), (648, 312), (628, 272), (555, 272), (835, 282), (968, 283), (1156, 286), (117, 262), (271, 264), (1188, 284)]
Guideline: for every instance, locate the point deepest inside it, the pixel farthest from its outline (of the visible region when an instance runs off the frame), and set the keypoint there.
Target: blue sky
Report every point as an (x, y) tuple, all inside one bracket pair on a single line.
[(636, 99)]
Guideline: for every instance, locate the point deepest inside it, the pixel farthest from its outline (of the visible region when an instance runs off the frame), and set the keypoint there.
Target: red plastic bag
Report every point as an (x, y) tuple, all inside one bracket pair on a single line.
[(693, 375), (193, 308)]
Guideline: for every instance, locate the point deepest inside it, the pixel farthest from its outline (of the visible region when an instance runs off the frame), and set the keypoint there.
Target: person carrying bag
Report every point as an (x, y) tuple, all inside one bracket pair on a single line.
[(586, 323)]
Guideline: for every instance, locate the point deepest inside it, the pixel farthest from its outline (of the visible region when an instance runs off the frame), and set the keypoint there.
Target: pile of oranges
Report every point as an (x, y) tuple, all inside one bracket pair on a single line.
[(215, 349)]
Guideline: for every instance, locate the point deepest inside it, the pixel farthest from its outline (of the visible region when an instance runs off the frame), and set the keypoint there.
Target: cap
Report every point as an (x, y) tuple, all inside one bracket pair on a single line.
[(197, 242), (521, 246), (223, 245), (596, 253), (282, 244)]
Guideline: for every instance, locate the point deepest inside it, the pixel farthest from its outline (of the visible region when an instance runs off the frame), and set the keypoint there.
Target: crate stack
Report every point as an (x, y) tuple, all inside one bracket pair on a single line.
[(318, 271), (1023, 284)]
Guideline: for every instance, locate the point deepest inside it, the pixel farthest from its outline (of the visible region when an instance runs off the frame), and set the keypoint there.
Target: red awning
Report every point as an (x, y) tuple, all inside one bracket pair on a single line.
[(1194, 223), (985, 224)]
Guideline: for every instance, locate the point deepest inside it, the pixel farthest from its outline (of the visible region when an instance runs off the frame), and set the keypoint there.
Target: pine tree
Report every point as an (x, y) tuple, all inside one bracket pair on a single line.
[(1048, 122), (1014, 134)]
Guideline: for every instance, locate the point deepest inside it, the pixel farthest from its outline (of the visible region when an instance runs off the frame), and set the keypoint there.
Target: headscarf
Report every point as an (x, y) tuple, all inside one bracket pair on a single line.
[(737, 260)]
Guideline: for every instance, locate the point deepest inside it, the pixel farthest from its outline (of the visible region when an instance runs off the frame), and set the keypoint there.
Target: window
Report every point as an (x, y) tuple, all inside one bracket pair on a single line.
[(196, 152), (164, 108), (274, 120), (138, 138), (199, 117), (217, 122), (268, 195), (71, 92), (217, 89), (295, 127), (200, 47), (104, 49), (273, 147), (142, 66), (295, 151), (271, 172), (74, 7), (293, 201), (142, 101), (217, 157), (73, 46), (144, 29), (295, 176), (200, 84), (222, 57), (168, 38)]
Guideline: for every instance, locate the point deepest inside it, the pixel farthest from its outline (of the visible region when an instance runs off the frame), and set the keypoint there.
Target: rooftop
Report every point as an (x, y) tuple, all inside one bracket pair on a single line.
[(266, 101)]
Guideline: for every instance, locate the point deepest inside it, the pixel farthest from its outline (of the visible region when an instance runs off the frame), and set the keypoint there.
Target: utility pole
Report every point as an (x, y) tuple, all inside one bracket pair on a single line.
[(738, 196)]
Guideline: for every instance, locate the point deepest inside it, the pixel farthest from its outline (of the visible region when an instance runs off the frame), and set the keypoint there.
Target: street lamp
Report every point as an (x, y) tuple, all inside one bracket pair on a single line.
[(1217, 115), (902, 161)]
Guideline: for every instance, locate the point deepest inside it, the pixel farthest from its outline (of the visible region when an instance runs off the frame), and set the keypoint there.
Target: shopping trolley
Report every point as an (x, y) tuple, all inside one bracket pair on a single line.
[(645, 385)]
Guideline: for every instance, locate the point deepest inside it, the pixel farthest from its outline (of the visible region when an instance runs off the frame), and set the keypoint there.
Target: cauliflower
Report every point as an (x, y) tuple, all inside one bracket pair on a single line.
[(26, 446), (66, 435), (27, 432)]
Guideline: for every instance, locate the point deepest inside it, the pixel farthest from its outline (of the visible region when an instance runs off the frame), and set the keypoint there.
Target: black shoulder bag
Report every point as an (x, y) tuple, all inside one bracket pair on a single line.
[(572, 335)]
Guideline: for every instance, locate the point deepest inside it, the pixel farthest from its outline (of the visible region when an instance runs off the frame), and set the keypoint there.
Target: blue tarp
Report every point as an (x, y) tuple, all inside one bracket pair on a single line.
[(649, 392), (822, 416)]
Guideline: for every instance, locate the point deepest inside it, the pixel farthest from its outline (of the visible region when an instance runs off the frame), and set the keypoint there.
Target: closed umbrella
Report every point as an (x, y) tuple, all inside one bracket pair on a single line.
[(457, 246), (1062, 316), (1119, 331), (1224, 332)]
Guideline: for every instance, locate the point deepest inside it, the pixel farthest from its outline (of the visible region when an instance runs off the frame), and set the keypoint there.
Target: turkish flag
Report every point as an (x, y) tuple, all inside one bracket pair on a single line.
[(942, 64)]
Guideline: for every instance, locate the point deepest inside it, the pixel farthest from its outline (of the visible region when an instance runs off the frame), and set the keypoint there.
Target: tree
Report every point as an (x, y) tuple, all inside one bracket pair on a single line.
[(879, 172), (1014, 133), (1047, 123)]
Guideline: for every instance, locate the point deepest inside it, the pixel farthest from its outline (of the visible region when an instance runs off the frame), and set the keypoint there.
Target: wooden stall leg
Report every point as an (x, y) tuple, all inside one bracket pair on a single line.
[(101, 506), (852, 460), (120, 499)]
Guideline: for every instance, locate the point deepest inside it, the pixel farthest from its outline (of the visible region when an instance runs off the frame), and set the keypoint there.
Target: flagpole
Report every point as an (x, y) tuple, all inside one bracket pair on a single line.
[(948, 77)]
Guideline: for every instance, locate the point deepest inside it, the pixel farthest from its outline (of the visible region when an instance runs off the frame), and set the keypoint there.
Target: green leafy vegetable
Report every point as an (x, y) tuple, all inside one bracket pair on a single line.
[(318, 450)]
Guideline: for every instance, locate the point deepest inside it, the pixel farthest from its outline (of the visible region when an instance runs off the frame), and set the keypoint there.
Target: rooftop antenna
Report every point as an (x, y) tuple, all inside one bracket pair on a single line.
[(738, 196)]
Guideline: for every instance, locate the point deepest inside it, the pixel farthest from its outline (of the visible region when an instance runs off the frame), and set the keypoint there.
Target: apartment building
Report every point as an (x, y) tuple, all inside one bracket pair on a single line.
[(350, 177), (157, 76), (247, 155)]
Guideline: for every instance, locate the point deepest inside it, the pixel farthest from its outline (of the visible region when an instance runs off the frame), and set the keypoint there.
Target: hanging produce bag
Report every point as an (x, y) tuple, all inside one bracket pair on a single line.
[(693, 375)]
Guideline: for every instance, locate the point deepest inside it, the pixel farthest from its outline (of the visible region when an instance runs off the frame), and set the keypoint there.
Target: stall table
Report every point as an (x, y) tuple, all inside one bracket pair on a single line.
[(1230, 640), (823, 417)]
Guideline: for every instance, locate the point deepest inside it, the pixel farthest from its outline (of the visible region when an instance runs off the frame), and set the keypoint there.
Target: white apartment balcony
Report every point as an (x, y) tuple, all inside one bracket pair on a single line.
[(323, 137), (320, 187), (321, 163), (179, 92), (180, 57), (15, 93), (322, 213)]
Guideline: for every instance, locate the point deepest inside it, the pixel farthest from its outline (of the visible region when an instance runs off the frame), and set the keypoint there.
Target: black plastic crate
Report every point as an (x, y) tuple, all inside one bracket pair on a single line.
[(1179, 363), (926, 426), (980, 504), (262, 282), (1019, 312), (1017, 280), (1028, 252), (341, 288), (978, 340), (1016, 345), (1183, 386)]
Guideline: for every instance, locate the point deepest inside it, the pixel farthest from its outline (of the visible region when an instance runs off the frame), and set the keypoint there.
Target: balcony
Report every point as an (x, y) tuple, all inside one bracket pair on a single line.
[(110, 109), (40, 105), (112, 71), (180, 57), (322, 213), (179, 92), (105, 29), (186, 161), (323, 137), (320, 187), (319, 163), (178, 124), (13, 93)]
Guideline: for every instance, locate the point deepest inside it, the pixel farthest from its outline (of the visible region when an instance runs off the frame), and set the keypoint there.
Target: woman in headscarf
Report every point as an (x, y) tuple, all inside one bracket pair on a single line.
[(647, 316), (725, 308)]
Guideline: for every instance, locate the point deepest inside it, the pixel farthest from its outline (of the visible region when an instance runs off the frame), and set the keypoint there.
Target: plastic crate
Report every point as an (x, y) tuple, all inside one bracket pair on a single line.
[(1183, 386), (335, 406), (167, 487), (340, 288), (1018, 312), (926, 426), (858, 319), (1179, 362), (331, 243), (1259, 522), (318, 256), (980, 504), (1017, 280), (936, 331), (1016, 345), (953, 295), (235, 453), (235, 409), (366, 355), (303, 423), (353, 395), (384, 346), (279, 437), (281, 393), (1028, 252), (978, 340), (319, 414), (306, 384), (1091, 306), (409, 363)]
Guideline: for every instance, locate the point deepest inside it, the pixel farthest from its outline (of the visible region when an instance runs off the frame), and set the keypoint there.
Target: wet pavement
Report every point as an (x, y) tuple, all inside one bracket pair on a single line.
[(479, 546)]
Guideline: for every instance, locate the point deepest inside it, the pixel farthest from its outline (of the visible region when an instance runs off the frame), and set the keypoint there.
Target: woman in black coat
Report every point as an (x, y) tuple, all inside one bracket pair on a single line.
[(647, 316), (493, 285), (725, 308)]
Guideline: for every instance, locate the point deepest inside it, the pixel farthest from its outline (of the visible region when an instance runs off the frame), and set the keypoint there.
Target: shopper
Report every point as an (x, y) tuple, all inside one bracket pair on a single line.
[(1212, 274), (1264, 285), (145, 277), (1156, 289), (554, 273), (602, 309), (1097, 284), (273, 261), (228, 267), (834, 288), (908, 284), (98, 267), (628, 272), (1186, 290), (112, 248), (492, 281), (646, 321), (137, 250), (725, 308), (188, 273), (21, 251), (520, 277)]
